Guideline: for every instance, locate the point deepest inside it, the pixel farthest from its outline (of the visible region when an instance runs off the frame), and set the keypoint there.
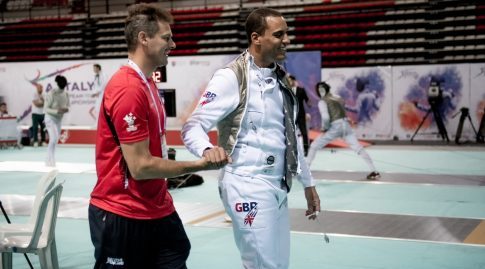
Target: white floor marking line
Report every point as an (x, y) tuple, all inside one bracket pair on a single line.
[(63, 167)]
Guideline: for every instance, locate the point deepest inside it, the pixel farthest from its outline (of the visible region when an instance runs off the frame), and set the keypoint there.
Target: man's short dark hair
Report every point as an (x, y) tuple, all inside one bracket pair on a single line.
[(61, 81), (256, 21), (324, 85), (143, 17), (97, 66)]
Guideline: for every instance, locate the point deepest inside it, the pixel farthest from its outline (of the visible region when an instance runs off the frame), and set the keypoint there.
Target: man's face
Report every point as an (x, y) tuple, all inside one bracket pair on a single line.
[(160, 45), (3, 108), (39, 88), (96, 69), (274, 40), (322, 90)]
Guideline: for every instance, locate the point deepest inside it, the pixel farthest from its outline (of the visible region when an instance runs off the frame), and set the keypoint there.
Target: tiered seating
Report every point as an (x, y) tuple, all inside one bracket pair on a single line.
[(347, 32), (463, 34), (49, 3), (206, 30), (108, 36), (196, 31), (41, 39), (16, 5), (19, 4), (388, 32), (362, 32)]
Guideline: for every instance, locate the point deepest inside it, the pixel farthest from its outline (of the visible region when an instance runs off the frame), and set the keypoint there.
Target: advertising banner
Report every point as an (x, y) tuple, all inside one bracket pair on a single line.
[(382, 103), (420, 107), (368, 98), (18, 80), (477, 99)]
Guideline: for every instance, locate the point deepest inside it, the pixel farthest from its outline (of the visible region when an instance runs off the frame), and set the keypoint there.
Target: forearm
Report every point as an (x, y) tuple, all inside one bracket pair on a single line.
[(157, 167), (38, 103), (143, 165), (49, 107), (195, 137), (304, 176), (52, 111)]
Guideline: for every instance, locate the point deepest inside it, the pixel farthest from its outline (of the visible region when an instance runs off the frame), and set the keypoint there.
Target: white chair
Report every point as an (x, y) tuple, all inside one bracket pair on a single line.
[(43, 186), (41, 240)]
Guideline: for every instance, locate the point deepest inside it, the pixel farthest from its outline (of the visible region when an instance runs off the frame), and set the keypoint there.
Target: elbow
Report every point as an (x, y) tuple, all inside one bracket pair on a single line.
[(135, 174), (184, 133), (137, 171)]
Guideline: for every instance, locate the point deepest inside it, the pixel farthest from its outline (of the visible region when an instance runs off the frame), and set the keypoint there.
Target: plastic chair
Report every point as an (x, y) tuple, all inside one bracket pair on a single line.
[(43, 186), (41, 240)]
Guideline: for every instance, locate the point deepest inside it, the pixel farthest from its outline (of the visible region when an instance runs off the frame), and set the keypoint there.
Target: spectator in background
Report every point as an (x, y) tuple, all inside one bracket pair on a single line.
[(55, 106), (38, 116), (335, 124), (302, 98), (99, 84), (4, 110), (4, 114)]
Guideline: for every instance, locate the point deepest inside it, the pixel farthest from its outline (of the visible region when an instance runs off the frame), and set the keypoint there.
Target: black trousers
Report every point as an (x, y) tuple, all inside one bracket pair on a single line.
[(121, 242), (38, 120)]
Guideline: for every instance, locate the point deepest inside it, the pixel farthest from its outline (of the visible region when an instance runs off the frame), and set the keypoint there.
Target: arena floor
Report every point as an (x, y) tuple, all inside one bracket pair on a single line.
[(427, 211)]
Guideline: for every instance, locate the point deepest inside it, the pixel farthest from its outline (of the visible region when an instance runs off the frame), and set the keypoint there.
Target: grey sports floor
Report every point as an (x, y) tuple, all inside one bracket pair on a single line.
[(427, 211)]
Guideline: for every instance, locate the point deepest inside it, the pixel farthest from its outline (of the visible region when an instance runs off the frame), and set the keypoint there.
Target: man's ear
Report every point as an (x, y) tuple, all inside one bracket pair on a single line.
[(143, 38), (255, 38)]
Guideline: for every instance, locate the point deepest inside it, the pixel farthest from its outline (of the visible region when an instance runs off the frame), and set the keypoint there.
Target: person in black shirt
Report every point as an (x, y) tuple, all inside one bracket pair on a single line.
[(302, 98)]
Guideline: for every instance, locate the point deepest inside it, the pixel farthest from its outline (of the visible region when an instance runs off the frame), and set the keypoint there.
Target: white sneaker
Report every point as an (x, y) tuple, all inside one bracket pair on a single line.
[(36, 144)]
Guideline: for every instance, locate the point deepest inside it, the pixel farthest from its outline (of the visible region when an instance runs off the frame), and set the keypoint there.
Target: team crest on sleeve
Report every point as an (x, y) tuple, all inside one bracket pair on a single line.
[(207, 98), (130, 120)]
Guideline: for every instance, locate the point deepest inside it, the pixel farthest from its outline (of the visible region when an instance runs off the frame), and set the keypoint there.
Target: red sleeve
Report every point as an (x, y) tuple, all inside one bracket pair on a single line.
[(129, 111)]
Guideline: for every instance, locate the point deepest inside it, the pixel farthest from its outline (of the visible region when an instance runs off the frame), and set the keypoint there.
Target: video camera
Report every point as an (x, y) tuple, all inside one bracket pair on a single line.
[(435, 93)]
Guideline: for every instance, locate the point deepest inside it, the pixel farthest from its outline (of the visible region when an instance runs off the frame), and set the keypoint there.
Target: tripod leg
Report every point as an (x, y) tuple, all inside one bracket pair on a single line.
[(477, 135), (441, 125), (421, 124), (481, 129), (460, 128)]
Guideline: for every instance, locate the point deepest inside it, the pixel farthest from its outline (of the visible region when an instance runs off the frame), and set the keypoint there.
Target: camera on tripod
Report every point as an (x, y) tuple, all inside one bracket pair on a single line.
[(435, 93), (435, 100)]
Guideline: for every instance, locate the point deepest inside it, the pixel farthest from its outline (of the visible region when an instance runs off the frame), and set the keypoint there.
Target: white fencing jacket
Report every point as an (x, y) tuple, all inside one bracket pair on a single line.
[(260, 148)]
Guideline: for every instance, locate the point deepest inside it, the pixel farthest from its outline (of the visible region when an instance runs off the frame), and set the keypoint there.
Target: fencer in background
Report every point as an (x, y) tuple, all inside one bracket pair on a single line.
[(55, 106), (99, 84), (335, 124)]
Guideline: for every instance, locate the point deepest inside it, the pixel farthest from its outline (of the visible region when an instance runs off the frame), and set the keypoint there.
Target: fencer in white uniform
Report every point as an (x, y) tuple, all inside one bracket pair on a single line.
[(254, 109), (248, 102), (55, 106), (336, 125), (251, 187)]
